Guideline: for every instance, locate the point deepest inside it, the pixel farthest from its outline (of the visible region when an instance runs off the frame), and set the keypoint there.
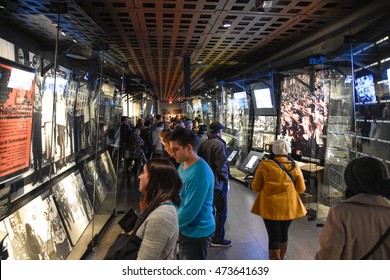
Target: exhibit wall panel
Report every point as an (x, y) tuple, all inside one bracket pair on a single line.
[(53, 123)]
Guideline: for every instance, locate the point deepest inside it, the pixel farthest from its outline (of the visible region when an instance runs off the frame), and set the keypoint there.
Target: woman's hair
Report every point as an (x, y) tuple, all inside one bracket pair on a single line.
[(164, 184), (165, 134), (366, 175)]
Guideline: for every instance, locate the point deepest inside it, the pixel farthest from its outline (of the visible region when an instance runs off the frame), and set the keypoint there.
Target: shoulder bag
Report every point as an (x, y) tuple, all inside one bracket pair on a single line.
[(285, 170), (127, 222), (126, 246), (376, 246)]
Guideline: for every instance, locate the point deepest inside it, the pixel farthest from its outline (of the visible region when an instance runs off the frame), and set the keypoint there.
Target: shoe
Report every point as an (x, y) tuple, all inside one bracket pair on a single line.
[(223, 243)]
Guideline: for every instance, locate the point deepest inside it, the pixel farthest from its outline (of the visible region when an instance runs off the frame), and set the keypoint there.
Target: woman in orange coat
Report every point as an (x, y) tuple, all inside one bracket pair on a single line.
[(278, 181)]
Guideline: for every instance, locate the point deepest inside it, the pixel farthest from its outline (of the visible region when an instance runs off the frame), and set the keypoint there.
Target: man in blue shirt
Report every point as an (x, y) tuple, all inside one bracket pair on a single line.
[(196, 221)]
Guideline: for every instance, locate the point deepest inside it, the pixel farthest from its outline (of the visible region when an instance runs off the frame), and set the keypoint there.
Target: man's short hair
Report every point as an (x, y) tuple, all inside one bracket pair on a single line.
[(215, 127), (185, 137)]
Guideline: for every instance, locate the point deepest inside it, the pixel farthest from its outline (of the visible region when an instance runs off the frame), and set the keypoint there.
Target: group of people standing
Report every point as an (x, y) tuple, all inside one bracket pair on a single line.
[(185, 184), (195, 186)]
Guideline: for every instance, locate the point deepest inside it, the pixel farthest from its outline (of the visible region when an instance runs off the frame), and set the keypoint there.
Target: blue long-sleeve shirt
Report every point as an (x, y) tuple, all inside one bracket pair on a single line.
[(196, 209)]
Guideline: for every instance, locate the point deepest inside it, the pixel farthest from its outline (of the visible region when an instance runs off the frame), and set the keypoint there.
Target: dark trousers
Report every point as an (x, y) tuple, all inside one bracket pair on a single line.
[(78, 130), (194, 248), (277, 232), (220, 213)]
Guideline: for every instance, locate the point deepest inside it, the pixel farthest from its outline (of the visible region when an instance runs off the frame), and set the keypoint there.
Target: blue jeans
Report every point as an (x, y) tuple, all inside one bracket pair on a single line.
[(220, 213), (194, 248)]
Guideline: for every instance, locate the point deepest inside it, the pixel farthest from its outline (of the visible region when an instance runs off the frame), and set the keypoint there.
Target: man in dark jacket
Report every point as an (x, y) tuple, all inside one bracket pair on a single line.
[(213, 151)]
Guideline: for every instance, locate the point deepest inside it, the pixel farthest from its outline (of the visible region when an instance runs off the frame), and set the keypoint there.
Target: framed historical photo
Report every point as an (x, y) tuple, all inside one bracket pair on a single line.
[(74, 205), (106, 170), (36, 232), (93, 182)]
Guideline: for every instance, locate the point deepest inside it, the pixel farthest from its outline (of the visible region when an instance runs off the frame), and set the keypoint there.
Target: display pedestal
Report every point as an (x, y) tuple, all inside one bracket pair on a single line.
[(313, 175)]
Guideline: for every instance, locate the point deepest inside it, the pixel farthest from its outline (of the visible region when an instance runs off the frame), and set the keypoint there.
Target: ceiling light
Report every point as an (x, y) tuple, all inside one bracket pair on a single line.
[(226, 23), (267, 4)]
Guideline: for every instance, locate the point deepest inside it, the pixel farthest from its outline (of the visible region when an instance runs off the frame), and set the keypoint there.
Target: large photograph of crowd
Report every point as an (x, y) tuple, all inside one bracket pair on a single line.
[(304, 113)]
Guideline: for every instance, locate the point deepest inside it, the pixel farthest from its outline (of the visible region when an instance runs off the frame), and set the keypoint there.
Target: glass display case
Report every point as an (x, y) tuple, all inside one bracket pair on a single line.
[(237, 128), (58, 183), (359, 122), (351, 120), (303, 118)]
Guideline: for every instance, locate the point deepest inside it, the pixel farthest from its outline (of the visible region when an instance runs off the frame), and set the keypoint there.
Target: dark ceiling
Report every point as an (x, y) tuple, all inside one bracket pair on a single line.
[(148, 39)]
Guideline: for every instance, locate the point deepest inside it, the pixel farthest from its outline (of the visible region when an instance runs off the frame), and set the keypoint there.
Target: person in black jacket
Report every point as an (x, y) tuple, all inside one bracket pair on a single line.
[(213, 151)]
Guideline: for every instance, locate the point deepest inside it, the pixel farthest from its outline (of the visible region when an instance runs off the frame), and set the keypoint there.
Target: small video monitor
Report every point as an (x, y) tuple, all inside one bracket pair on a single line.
[(251, 162)]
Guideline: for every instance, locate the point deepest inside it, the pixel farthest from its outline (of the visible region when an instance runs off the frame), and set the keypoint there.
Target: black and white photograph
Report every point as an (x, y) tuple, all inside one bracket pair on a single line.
[(304, 113), (270, 124), (74, 205), (55, 143), (95, 186), (21, 56), (36, 232), (268, 139), (258, 141), (259, 123), (106, 170), (70, 97), (365, 89), (229, 117)]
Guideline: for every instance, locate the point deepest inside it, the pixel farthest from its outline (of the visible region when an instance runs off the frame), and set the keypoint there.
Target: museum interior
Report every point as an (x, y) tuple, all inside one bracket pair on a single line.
[(313, 72)]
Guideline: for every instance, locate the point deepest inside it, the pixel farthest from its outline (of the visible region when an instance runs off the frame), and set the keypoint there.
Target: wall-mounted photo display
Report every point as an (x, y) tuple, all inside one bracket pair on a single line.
[(108, 88), (36, 232), (21, 56), (70, 98), (229, 112), (107, 170), (82, 125), (74, 205), (95, 186), (259, 123), (304, 113), (55, 140), (270, 124), (372, 103), (264, 132), (258, 141), (268, 140)]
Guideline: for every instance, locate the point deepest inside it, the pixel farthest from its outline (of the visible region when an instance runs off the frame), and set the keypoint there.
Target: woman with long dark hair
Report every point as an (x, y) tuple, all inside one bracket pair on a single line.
[(160, 185)]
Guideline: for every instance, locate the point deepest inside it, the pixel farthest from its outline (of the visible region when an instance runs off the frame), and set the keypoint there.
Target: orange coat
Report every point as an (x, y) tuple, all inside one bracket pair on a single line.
[(278, 198)]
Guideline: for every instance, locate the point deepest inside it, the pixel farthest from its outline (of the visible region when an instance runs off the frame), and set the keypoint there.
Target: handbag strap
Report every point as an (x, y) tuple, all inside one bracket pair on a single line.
[(285, 170), (379, 243)]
